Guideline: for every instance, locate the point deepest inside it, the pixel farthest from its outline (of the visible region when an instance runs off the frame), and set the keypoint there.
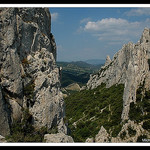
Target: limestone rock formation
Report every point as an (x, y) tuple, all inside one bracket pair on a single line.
[(29, 78), (2, 139), (129, 66), (58, 138), (130, 132), (108, 61), (73, 87), (102, 136)]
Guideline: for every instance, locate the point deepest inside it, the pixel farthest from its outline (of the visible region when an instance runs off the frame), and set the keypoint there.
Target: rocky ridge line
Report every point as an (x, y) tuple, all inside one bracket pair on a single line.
[(129, 66)]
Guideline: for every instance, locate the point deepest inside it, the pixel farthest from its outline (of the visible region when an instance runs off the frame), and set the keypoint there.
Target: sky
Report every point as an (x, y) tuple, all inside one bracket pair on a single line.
[(93, 33)]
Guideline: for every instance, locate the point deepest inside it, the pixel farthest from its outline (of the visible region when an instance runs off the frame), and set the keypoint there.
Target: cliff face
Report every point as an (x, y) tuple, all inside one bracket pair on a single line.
[(129, 66), (29, 78)]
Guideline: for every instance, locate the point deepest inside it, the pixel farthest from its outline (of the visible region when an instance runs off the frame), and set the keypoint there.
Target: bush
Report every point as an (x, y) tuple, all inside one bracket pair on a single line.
[(123, 135), (116, 130), (135, 112), (131, 131), (146, 125), (140, 110), (29, 90)]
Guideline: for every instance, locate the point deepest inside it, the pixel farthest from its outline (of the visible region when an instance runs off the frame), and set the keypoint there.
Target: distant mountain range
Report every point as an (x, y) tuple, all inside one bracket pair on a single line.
[(77, 72), (95, 61)]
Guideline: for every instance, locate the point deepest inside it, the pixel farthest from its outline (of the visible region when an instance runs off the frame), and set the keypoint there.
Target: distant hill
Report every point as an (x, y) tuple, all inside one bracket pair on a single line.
[(76, 72), (95, 61)]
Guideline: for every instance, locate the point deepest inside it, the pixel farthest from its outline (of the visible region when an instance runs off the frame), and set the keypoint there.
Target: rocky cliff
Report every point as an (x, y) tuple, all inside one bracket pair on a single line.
[(29, 78), (129, 66)]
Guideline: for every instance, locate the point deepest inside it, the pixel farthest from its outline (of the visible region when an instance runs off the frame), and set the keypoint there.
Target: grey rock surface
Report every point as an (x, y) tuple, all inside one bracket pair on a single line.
[(4, 117), (58, 138), (2, 139), (129, 66), (124, 135), (29, 77), (102, 136)]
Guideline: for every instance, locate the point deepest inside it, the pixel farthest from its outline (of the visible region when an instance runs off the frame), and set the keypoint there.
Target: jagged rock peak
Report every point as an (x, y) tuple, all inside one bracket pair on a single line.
[(129, 66), (108, 60), (145, 36), (29, 77)]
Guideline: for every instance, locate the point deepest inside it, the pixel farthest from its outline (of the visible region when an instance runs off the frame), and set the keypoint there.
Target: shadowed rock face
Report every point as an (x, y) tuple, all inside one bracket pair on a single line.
[(29, 78), (130, 67)]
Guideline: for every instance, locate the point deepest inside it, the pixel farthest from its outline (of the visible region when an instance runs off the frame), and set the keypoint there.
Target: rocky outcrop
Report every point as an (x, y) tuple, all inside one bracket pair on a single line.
[(102, 136), (29, 78), (130, 132), (73, 87), (108, 61), (2, 139), (58, 138), (129, 66)]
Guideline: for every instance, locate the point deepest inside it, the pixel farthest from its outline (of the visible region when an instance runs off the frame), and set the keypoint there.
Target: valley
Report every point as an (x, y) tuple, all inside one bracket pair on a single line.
[(76, 72), (92, 101)]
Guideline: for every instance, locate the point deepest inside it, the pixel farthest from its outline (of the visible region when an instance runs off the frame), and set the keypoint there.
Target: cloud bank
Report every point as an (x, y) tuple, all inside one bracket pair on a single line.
[(115, 30), (138, 12)]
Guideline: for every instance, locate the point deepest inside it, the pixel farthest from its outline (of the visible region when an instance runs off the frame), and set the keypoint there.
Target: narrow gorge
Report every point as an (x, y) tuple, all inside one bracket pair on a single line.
[(113, 106)]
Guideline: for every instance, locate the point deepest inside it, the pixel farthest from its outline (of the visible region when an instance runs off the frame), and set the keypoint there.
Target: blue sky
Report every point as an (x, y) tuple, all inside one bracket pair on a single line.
[(94, 33)]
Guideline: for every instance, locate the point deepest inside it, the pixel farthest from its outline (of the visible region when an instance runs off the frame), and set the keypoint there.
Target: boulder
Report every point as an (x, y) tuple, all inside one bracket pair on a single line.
[(58, 138)]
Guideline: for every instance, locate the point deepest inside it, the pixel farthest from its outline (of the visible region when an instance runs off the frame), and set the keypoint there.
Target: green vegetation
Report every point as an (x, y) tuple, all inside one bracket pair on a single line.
[(76, 72), (123, 135), (146, 125), (140, 111), (88, 110), (29, 92), (24, 131), (131, 131)]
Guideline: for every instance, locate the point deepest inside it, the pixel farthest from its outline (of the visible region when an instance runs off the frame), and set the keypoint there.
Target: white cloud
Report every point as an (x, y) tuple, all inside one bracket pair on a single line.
[(109, 24), (54, 16), (138, 11), (115, 30), (85, 20)]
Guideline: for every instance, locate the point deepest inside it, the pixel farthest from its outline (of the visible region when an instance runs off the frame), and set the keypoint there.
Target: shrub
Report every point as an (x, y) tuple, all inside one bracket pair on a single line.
[(146, 125), (116, 130), (123, 135), (29, 93), (131, 131), (147, 94), (135, 112)]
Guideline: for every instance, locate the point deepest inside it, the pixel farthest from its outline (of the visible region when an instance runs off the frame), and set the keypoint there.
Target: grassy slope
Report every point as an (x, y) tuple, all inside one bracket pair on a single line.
[(91, 109)]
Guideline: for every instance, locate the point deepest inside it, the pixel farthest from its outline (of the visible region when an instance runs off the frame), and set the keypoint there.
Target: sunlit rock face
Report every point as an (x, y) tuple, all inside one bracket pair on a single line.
[(129, 66), (29, 77)]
